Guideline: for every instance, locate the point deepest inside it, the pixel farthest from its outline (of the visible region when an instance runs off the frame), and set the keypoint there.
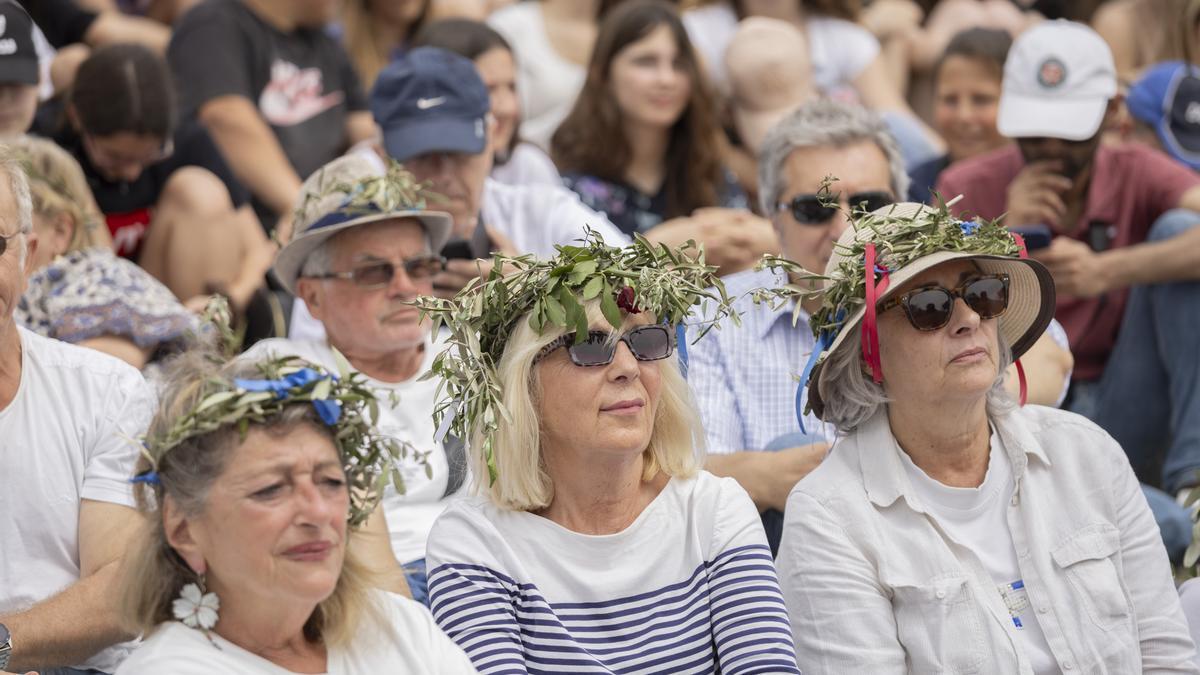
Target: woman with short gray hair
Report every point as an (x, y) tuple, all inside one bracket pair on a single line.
[(950, 530)]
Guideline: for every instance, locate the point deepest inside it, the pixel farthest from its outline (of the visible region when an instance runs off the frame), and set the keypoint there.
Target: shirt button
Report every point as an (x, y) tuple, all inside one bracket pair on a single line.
[(1023, 553), (1015, 500), (941, 595), (1067, 665), (1043, 609)]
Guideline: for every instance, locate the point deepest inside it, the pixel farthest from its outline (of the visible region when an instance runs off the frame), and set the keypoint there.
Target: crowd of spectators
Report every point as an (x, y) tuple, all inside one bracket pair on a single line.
[(515, 336)]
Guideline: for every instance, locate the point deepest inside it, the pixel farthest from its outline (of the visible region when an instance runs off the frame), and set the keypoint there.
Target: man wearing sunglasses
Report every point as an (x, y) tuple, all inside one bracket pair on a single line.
[(1125, 255), (745, 378), (365, 246)]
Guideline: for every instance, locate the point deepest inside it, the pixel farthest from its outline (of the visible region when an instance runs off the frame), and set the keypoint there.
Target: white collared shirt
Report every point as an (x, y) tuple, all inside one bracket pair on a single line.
[(874, 586)]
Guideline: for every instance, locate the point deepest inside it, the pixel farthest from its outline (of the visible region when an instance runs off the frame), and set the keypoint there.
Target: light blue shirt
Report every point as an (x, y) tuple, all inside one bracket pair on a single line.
[(745, 378)]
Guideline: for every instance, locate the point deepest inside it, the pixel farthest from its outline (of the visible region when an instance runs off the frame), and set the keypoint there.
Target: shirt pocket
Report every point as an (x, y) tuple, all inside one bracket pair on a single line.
[(1086, 559), (939, 626)]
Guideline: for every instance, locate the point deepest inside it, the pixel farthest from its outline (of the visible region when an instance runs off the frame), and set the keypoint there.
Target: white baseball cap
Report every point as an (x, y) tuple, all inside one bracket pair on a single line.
[(1058, 79)]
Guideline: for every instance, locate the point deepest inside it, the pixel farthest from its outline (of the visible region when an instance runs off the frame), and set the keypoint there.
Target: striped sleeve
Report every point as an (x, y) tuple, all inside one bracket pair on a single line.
[(473, 605), (750, 624)]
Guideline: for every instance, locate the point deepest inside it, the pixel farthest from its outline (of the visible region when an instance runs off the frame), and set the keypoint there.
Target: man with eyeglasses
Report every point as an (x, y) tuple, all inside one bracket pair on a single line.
[(1118, 233), (364, 246), (815, 165)]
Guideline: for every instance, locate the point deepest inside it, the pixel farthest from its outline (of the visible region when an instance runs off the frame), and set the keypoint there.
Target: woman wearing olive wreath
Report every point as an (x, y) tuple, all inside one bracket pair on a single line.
[(950, 530), (597, 544)]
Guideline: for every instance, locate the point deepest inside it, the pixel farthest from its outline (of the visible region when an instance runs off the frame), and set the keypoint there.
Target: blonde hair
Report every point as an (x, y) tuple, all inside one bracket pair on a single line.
[(59, 188), (676, 445), (153, 572)]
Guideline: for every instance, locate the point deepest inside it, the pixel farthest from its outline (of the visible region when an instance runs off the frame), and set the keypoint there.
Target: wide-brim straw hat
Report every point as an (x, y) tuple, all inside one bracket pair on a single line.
[(332, 201), (1031, 298)]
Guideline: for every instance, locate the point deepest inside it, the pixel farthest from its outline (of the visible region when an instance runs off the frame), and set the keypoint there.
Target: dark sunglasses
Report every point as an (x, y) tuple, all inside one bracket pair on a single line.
[(380, 274), (809, 209), (931, 308), (647, 343)]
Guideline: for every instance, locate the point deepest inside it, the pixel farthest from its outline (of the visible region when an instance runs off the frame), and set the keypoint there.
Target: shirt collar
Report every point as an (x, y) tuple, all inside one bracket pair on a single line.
[(883, 474), (783, 312)]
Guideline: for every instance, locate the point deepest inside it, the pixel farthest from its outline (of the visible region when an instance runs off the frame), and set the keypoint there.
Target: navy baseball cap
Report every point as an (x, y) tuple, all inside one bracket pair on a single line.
[(18, 57), (431, 100), (1167, 98)]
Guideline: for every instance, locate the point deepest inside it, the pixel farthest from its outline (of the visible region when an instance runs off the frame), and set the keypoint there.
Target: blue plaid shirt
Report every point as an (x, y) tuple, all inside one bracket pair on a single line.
[(745, 378)]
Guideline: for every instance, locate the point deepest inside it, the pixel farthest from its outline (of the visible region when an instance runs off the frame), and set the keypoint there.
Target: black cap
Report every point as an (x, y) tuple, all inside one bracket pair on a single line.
[(18, 57), (431, 100)]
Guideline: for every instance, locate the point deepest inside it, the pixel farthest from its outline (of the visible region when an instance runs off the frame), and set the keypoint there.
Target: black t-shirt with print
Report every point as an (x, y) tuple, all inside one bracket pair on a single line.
[(128, 206), (302, 82)]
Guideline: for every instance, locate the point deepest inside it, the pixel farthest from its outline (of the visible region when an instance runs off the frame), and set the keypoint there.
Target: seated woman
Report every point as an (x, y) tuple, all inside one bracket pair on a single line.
[(79, 291), (597, 545), (640, 145), (169, 199), (950, 530), (253, 480)]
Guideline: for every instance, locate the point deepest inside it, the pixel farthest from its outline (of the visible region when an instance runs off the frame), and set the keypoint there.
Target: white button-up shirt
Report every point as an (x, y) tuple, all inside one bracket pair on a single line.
[(873, 586)]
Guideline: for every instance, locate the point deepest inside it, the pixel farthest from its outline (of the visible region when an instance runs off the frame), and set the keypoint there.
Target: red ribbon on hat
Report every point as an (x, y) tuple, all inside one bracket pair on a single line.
[(1024, 385), (870, 335), (1021, 252)]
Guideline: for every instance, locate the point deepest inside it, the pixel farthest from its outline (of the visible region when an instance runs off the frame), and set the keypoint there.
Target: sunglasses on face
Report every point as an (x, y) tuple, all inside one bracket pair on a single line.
[(930, 308), (380, 274), (646, 343), (809, 209)]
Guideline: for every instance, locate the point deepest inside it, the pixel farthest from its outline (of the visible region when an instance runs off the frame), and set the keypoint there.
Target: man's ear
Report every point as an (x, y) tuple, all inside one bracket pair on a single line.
[(1114, 113), (181, 537), (31, 247), (313, 295)]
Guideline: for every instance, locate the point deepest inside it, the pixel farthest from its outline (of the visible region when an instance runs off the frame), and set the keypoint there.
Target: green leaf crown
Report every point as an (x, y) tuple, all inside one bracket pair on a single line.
[(480, 319)]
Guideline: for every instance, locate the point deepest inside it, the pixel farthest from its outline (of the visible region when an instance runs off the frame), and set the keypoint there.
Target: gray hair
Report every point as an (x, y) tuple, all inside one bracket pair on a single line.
[(852, 397), (824, 123), (18, 183), (320, 261)]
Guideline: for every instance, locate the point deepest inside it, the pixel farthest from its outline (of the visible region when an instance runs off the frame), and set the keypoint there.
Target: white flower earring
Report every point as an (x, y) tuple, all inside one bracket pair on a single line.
[(196, 608)]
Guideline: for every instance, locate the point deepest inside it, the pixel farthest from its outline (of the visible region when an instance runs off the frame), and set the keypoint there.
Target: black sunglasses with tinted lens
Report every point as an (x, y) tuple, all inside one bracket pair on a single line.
[(930, 308), (819, 209), (647, 343), (380, 274)]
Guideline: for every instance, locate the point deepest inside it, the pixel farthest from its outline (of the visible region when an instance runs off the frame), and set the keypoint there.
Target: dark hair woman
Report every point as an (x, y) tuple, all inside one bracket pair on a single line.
[(641, 142), (170, 201)]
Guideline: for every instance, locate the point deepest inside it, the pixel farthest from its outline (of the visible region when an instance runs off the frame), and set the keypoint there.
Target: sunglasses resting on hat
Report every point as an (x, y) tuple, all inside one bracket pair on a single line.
[(815, 209), (646, 343), (930, 307)]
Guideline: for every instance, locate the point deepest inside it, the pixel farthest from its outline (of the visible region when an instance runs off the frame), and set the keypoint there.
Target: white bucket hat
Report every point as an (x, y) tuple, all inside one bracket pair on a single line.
[(348, 192), (909, 239)]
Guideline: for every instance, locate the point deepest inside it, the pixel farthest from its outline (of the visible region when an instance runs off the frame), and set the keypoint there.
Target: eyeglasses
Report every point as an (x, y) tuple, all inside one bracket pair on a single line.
[(819, 209), (380, 274), (931, 308), (647, 343)]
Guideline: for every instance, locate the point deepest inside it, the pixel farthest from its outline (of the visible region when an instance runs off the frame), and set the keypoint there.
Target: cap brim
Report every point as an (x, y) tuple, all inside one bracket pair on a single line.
[(1030, 307), (20, 70), (1035, 117), (438, 228), (444, 134)]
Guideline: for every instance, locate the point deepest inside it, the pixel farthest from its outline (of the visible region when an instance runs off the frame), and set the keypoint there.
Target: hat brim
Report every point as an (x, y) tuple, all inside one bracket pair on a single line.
[(1035, 117), (1031, 304), (438, 226), (20, 70), (414, 138)]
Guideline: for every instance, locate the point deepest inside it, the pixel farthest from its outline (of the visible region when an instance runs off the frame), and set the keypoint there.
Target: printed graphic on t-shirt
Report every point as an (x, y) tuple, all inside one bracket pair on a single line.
[(1017, 601), (295, 95), (128, 230)]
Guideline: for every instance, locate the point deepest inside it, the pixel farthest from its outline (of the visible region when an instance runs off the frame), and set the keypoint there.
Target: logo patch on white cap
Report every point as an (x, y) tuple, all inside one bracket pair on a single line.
[(1052, 73)]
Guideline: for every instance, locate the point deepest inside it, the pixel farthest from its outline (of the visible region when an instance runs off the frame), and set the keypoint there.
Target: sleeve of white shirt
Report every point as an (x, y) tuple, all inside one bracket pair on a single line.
[(571, 215), (114, 450), (714, 397), (842, 619), (749, 620), (417, 632), (1161, 627)]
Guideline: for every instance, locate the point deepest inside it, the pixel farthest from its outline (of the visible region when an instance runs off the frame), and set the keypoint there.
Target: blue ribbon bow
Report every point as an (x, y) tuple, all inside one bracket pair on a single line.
[(330, 410), (681, 340), (968, 227)]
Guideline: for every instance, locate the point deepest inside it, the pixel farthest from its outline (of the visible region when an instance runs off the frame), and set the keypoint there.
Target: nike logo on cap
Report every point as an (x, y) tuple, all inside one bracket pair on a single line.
[(427, 103)]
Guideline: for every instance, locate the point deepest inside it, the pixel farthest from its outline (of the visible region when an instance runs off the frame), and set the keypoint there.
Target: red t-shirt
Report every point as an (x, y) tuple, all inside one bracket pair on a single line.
[(1132, 185)]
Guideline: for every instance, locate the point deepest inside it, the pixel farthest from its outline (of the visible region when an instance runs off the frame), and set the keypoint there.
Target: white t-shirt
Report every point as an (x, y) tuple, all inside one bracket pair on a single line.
[(405, 641), (536, 217), (528, 165), (409, 516), (976, 519), (68, 435), (547, 83), (688, 587), (839, 50)]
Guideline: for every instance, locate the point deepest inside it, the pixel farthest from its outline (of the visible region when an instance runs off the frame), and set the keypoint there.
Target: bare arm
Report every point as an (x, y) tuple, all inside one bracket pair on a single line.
[(879, 93), (252, 150), (733, 239), (1047, 367), (768, 477), (113, 27), (360, 126), (259, 253), (1176, 259), (374, 547), (121, 347), (70, 627)]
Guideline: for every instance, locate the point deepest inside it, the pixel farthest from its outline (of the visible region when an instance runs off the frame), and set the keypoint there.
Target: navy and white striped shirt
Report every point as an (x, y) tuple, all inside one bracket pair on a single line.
[(689, 587)]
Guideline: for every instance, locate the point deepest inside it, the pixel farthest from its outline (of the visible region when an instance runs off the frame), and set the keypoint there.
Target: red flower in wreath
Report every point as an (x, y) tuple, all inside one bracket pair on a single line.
[(627, 301)]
